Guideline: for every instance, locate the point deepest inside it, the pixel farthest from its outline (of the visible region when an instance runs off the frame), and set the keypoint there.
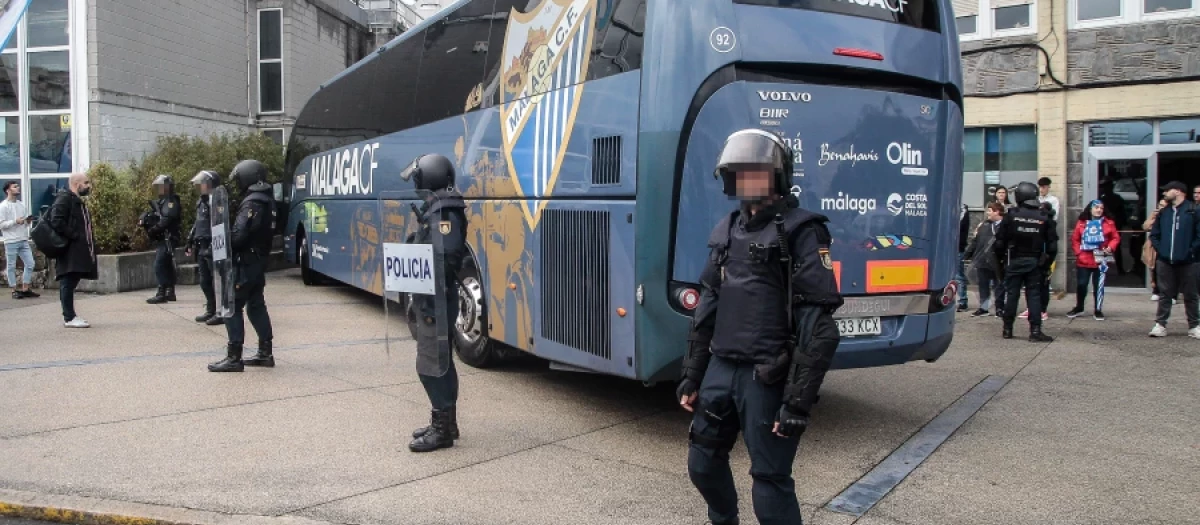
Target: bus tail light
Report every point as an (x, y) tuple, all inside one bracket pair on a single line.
[(940, 302), (688, 298), (857, 53)]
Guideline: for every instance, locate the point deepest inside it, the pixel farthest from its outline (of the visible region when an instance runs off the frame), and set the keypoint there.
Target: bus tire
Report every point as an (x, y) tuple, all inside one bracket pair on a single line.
[(308, 276), (471, 339)]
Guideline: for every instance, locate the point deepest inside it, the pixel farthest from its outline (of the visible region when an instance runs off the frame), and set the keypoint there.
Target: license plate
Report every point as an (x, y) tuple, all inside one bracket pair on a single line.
[(859, 326)]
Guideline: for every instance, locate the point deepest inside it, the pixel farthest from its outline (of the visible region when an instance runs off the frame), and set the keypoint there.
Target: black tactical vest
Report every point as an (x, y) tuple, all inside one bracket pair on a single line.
[(203, 222), (752, 311), (1027, 234)]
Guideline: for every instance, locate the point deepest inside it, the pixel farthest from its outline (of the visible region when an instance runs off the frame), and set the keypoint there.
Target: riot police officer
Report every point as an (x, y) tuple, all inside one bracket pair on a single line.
[(1027, 240), (763, 335), (250, 246), (442, 211), (162, 225), (199, 244)]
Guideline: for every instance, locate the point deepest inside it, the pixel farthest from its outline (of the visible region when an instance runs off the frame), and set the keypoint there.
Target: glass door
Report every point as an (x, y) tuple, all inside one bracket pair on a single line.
[(1125, 180)]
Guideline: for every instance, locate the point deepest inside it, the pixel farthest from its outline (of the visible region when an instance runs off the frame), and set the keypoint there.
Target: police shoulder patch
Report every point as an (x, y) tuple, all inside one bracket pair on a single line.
[(826, 260), (444, 227)]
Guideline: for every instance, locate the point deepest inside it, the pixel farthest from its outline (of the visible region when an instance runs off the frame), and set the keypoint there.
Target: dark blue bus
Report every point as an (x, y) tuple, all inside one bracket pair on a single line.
[(585, 133)]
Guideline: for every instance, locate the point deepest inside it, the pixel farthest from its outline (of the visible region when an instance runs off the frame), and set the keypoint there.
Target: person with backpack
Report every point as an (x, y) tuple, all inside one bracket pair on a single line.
[(1095, 240), (1176, 238), (71, 220), (983, 261)]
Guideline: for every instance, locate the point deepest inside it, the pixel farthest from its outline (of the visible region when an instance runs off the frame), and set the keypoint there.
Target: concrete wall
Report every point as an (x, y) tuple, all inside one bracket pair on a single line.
[(317, 46)]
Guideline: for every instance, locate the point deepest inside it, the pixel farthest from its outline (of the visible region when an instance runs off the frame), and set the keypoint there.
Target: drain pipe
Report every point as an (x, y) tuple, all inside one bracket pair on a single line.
[(249, 65)]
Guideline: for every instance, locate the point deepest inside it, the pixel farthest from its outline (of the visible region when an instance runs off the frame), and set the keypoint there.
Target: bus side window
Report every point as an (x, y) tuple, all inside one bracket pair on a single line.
[(452, 63), (617, 47)]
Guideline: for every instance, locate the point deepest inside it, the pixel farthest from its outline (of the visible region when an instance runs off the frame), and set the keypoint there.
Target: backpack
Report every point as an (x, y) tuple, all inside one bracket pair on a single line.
[(46, 239)]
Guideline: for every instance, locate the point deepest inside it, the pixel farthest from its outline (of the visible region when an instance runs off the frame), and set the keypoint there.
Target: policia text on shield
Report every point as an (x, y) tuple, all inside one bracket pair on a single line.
[(769, 263)]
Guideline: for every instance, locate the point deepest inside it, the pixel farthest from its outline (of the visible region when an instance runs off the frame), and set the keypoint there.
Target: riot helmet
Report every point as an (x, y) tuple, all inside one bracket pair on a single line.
[(430, 172), (1026, 195), (755, 150), (248, 173), (207, 177), (163, 185)]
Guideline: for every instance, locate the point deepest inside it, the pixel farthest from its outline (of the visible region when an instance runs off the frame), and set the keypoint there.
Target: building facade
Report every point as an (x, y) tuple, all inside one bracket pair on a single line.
[(1097, 95), (89, 81)]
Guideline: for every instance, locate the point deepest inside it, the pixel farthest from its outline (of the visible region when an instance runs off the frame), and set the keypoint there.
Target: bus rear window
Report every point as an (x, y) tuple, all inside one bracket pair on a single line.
[(921, 14)]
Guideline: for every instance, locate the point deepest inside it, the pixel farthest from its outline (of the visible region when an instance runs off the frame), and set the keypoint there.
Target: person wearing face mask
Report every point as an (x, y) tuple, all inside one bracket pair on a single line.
[(70, 218), (763, 335)]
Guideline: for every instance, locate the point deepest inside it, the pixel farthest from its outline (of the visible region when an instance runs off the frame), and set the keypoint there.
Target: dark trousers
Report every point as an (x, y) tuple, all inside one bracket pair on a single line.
[(249, 298), (164, 264), (66, 295), (731, 399), (987, 283), (1024, 273), (205, 264), (1177, 279), (442, 390), (1083, 276)]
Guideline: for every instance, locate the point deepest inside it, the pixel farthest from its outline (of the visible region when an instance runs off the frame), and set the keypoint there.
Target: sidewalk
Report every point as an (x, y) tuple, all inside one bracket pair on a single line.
[(123, 420)]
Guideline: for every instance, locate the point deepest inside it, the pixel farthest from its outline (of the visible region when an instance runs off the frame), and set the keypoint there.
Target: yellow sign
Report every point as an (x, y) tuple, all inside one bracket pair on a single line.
[(65, 122)]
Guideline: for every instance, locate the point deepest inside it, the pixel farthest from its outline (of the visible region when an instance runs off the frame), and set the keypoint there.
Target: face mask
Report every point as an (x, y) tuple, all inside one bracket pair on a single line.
[(84, 192)]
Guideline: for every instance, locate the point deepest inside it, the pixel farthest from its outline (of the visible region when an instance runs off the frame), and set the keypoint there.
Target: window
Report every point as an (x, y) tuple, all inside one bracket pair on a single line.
[(997, 156), (1097, 13), (275, 134), (1133, 133), (270, 60), (916, 13), (1179, 131), (452, 65), (979, 19)]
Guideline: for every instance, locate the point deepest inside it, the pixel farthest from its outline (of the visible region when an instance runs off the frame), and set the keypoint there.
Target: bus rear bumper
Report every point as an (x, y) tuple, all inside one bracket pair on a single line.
[(906, 338)]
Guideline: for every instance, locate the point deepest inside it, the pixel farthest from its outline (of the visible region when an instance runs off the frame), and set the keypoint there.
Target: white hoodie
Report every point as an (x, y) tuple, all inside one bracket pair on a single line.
[(10, 231)]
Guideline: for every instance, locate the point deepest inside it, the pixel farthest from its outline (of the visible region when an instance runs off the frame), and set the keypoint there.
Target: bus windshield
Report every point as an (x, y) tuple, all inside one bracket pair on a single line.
[(921, 14)]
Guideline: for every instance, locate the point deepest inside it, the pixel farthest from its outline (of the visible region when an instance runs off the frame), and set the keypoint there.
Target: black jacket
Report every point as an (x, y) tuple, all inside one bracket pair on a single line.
[(964, 228), (167, 226), (253, 228), (69, 217)]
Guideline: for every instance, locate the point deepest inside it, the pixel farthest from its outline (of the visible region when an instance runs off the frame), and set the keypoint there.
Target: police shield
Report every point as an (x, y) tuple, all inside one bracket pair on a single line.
[(415, 276), (222, 255)]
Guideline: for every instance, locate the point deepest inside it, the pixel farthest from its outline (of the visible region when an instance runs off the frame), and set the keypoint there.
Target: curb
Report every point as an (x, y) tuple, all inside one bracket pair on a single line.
[(82, 510)]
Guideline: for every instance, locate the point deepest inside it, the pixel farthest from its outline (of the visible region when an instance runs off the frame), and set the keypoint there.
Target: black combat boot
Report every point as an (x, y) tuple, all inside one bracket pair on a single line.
[(1008, 328), (437, 437), (170, 293), (453, 425), (263, 357), (232, 361), (160, 296), (1036, 335)]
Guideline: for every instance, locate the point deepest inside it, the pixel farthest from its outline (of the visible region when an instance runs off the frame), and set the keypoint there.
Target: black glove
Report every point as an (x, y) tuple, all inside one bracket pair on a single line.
[(687, 387), (791, 424)]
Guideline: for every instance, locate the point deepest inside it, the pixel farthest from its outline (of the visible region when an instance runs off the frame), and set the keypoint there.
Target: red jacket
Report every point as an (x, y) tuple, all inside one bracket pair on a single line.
[(1112, 239)]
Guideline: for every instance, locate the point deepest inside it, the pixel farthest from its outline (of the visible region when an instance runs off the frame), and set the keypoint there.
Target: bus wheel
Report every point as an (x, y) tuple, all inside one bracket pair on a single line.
[(471, 339), (307, 275)]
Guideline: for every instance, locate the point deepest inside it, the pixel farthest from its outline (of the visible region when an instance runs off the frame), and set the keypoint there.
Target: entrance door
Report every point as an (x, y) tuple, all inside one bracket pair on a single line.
[(1126, 181)]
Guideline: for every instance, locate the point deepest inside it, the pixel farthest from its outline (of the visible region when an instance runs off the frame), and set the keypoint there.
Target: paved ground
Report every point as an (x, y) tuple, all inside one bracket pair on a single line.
[(1097, 427)]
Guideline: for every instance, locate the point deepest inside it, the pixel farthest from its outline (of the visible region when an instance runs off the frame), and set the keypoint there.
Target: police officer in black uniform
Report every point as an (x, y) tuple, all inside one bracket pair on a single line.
[(763, 335), (199, 244), (1027, 240), (443, 210), (162, 225), (250, 246)]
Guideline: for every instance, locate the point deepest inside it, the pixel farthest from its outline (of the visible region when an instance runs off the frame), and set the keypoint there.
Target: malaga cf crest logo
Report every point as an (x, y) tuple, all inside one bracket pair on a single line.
[(545, 62)]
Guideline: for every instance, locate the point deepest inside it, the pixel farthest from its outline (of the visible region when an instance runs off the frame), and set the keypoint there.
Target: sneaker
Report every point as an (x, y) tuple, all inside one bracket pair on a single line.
[(17, 295), (1194, 333), (1000, 313), (1155, 298), (77, 322), (979, 313), (1024, 315), (31, 293), (1098, 315), (1045, 316), (1075, 312), (1158, 331), (963, 308)]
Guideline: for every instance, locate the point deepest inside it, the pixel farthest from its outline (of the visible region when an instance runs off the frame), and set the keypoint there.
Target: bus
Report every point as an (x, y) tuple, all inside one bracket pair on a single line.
[(585, 134)]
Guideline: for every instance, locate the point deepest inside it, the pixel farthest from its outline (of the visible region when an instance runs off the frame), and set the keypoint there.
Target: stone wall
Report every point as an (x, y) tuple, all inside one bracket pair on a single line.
[(1002, 71), (1156, 50)]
